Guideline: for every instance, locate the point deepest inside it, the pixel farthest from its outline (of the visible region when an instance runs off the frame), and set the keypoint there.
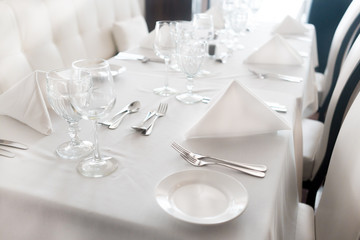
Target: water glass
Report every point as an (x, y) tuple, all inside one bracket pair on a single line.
[(93, 98), (191, 55), (57, 82), (165, 47)]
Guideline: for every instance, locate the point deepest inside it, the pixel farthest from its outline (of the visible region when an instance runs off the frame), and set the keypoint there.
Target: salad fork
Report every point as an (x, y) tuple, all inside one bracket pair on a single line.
[(199, 163), (276, 75), (159, 113), (182, 150)]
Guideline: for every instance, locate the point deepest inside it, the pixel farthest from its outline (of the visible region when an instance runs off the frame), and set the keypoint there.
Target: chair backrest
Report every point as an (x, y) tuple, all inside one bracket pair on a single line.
[(346, 85), (49, 34), (344, 36), (338, 213)]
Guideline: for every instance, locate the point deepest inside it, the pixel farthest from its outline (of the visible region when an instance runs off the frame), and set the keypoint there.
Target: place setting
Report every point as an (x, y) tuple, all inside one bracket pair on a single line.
[(210, 196)]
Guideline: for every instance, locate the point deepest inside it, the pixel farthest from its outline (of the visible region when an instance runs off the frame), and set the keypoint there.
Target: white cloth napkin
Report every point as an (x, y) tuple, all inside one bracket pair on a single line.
[(148, 41), (218, 19), (291, 26), (237, 112), (129, 33), (275, 51), (25, 102)]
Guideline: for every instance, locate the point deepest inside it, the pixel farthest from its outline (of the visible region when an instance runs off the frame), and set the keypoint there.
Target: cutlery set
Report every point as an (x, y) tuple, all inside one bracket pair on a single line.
[(198, 160), (7, 143), (144, 127)]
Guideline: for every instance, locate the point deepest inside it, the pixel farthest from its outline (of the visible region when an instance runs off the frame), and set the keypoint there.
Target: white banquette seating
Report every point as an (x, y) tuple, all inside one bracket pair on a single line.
[(49, 34)]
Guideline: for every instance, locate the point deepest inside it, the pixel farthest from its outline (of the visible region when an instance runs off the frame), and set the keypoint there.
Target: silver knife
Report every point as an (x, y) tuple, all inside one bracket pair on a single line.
[(13, 144), (6, 153)]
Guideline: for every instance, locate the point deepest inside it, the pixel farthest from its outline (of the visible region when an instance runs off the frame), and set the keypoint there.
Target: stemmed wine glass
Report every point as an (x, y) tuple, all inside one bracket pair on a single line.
[(165, 47), (93, 98), (238, 23), (58, 96), (191, 54), (203, 27), (254, 6)]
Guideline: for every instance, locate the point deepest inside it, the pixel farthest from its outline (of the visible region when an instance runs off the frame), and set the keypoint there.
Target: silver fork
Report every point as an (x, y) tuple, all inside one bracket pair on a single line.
[(276, 75), (182, 150), (159, 113), (199, 163)]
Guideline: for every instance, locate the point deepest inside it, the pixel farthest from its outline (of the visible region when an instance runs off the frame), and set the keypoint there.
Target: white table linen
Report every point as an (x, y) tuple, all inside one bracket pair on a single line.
[(42, 196)]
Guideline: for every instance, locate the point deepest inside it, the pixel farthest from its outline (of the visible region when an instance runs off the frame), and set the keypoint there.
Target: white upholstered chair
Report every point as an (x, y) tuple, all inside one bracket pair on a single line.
[(49, 34), (338, 214), (322, 137), (342, 39)]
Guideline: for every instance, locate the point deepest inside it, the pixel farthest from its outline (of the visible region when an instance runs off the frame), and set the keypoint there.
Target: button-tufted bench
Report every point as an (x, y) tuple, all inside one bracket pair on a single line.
[(49, 34)]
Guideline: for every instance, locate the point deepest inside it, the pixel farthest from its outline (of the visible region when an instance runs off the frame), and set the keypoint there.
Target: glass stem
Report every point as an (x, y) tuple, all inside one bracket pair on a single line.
[(190, 85), (73, 130), (167, 62), (97, 156)]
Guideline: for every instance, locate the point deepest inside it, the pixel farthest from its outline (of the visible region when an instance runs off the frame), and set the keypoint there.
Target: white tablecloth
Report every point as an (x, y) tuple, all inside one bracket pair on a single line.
[(43, 197)]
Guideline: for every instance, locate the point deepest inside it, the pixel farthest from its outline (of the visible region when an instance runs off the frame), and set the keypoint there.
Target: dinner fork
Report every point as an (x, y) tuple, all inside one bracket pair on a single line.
[(276, 75), (159, 113), (199, 163), (182, 150)]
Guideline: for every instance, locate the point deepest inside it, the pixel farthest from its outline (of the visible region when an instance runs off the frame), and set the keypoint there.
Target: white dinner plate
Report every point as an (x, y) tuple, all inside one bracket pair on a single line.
[(201, 196), (116, 70)]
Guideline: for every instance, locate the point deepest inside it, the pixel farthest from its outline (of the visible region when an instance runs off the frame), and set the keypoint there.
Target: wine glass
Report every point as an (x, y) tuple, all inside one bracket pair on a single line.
[(203, 27), (238, 23), (254, 6), (191, 54), (165, 47), (93, 98), (58, 96)]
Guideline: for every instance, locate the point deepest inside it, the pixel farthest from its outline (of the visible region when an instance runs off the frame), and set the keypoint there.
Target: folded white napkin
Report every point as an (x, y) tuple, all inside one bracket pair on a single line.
[(218, 19), (237, 112), (25, 102), (290, 26), (275, 51), (148, 41), (129, 33)]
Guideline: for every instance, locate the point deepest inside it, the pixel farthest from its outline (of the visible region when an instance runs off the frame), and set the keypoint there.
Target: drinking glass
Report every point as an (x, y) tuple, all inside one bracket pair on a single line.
[(93, 98), (58, 96), (165, 47), (191, 54), (254, 6), (203, 27), (238, 23)]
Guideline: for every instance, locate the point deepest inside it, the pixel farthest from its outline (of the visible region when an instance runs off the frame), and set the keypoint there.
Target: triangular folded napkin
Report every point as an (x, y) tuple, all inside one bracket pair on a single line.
[(218, 19), (275, 51), (237, 112), (290, 26), (148, 41), (26, 103)]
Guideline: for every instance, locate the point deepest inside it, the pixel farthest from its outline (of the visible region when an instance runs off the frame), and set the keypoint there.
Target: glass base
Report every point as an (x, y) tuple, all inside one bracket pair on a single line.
[(96, 169), (164, 91), (188, 98), (69, 151)]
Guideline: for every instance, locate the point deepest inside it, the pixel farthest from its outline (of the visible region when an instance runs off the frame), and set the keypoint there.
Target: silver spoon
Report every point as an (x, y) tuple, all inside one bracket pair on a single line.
[(131, 108)]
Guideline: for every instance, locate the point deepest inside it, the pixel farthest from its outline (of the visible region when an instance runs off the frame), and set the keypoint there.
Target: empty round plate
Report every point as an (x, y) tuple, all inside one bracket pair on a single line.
[(201, 196), (116, 70)]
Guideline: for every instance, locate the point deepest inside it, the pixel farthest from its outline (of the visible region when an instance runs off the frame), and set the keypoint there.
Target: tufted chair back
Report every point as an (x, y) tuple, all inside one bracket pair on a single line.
[(49, 34)]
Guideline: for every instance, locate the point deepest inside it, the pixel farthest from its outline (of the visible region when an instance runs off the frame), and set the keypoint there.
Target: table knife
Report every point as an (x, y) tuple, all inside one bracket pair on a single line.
[(12, 144), (6, 153)]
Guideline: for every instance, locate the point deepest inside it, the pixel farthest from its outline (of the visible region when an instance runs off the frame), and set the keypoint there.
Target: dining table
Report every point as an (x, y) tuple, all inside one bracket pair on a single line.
[(43, 197)]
